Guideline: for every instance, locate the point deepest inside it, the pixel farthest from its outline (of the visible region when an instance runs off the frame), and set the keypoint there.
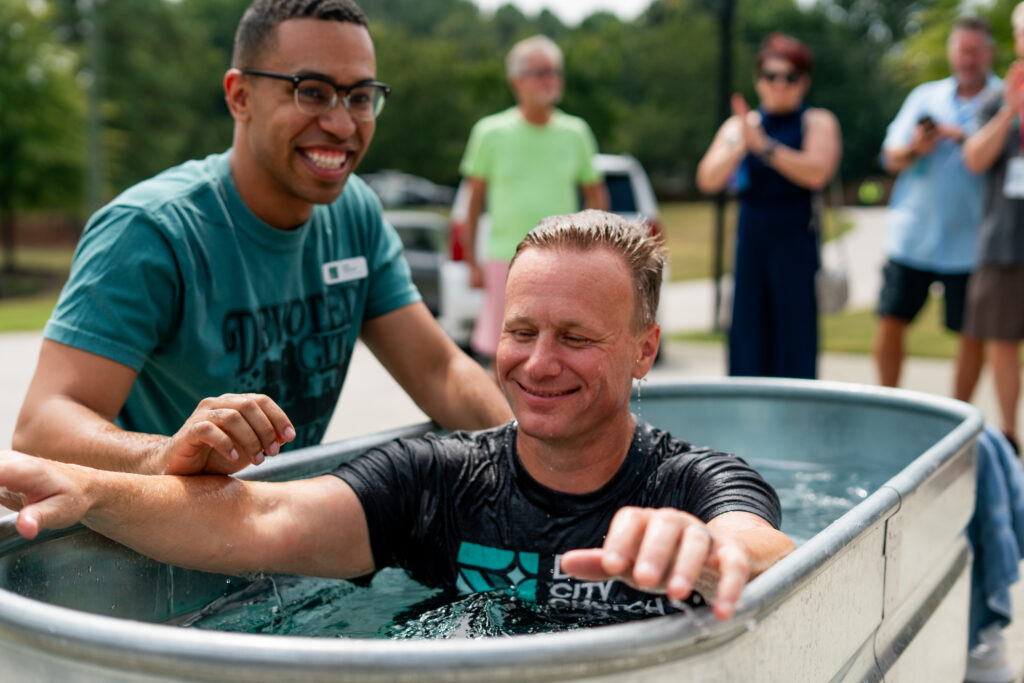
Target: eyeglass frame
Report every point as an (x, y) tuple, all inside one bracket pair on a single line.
[(541, 73), (789, 77), (295, 79)]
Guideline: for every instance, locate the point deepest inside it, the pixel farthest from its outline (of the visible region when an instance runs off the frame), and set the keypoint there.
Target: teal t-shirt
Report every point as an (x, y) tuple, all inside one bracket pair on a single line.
[(532, 172), (179, 280)]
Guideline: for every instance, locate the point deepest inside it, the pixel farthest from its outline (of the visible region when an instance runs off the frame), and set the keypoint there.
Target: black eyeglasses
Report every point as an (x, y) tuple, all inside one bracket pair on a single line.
[(541, 73), (315, 95), (790, 77)]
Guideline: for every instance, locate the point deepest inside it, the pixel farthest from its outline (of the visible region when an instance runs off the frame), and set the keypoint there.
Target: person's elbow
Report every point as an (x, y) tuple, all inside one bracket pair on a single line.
[(20, 441), (707, 183), (973, 161), (973, 166), (24, 438), (890, 164), (816, 182)]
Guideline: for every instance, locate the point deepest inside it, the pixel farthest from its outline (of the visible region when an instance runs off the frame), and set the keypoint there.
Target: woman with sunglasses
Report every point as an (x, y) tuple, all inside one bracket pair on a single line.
[(778, 156)]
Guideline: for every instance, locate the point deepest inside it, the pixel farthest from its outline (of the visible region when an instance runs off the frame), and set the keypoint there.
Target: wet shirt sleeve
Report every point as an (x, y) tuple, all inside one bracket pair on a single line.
[(709, 483), (399, 486)]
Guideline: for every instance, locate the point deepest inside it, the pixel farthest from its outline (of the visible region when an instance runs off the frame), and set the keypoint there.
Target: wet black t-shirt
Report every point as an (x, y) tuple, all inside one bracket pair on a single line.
[(461, 512)]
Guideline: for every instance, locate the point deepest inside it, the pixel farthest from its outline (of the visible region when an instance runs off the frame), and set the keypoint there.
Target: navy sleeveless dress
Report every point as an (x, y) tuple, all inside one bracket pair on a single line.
[(774, 331)]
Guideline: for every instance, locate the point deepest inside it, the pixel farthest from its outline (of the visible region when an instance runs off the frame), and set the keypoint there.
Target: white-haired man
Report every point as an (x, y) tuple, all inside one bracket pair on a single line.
[(524, 163)]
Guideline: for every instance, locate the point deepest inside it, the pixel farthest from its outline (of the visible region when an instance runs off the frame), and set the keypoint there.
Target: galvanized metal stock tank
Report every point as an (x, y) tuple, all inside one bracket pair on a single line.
[(881, 592)]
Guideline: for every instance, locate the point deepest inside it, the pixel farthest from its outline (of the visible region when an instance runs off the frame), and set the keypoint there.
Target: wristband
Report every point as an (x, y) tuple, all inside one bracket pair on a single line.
[(768, 150)]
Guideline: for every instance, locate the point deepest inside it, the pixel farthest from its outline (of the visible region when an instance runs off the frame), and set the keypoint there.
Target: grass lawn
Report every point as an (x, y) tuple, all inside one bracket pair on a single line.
[(31, 312), (853, 331), (689, 230)]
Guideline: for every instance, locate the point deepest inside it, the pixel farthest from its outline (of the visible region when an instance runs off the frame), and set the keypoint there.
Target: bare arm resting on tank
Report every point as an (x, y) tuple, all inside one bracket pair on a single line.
[(314, 527)]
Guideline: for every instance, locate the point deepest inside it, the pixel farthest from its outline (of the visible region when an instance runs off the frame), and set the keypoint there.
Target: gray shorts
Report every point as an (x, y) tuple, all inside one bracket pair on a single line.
[(995, 303)]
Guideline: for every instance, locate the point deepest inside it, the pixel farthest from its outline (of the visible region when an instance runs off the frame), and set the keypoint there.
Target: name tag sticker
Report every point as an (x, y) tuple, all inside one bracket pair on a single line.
[(345, 270), (1013, 187)]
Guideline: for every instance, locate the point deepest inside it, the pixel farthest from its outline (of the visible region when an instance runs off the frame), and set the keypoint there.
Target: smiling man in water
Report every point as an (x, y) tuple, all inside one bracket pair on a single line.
[(212, 310), (500, 508)]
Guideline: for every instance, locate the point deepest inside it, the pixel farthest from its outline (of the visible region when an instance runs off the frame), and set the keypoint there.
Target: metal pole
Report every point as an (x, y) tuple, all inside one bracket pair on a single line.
[(94, 164), (724, 92)]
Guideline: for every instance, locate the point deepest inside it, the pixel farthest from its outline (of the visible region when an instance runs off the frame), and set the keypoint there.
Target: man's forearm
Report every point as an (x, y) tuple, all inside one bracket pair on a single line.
[(986, 145), (189, 522), (62, 429), (766, 547), (898, 159), (765, 544), (211, 523), (185, 521)]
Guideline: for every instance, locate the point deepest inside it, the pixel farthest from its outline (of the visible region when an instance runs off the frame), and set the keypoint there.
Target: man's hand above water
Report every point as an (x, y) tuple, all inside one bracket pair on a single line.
[(669, 551)]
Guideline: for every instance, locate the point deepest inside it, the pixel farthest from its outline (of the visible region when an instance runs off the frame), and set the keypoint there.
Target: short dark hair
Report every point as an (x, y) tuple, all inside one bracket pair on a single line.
[(256, 29), (781, 46), (643, 253), (973, 23)]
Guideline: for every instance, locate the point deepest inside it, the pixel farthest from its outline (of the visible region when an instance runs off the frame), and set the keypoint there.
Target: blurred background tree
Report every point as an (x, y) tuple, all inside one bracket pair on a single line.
[(41, 119)]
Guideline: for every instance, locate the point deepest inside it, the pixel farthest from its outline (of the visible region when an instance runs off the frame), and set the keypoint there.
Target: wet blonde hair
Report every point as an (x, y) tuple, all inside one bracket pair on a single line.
[(643, 253)]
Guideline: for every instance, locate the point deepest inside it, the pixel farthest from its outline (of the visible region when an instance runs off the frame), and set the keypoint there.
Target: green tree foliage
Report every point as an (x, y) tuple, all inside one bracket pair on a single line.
[(437, 95), (161, 88), (418, 17), (41, 114)]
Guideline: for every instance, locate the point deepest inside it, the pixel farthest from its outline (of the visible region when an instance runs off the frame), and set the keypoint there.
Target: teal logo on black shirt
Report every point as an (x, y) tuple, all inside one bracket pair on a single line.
[(482, 569)]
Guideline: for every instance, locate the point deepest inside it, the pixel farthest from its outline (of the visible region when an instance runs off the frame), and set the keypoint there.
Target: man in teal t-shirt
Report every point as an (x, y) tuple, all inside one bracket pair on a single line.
[(527, 163), (212, 310)]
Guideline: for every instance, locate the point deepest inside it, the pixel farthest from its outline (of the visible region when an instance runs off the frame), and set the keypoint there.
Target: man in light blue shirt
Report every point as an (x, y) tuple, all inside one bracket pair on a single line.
[(936, 203)]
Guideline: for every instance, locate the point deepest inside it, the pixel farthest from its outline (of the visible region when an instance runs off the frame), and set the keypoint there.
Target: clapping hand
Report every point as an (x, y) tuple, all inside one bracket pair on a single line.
[(754, 137)]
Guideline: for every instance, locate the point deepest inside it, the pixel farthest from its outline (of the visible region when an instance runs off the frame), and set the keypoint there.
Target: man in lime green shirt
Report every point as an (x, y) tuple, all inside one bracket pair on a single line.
[(526, 162)]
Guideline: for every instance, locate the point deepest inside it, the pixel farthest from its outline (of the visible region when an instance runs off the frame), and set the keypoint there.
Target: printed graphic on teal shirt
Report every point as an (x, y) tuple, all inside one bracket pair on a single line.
[(297, 353)]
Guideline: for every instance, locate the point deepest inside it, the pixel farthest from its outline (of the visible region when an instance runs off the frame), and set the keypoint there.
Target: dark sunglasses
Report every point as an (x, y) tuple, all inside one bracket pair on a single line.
[(789, 77)]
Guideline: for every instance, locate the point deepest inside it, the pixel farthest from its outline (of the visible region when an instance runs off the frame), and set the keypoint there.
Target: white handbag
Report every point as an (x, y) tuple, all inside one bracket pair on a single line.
[(831, 283)]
